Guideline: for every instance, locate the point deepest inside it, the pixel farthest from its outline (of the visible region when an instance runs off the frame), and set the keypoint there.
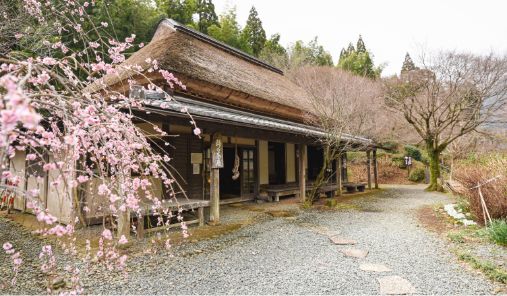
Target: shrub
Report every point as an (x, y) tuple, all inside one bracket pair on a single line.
[(391, 146), (399, 160), (417, 175), (413, 152), (498, 232), (469, 174)]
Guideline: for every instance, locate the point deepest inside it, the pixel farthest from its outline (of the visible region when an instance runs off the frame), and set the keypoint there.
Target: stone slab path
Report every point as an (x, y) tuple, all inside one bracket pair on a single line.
[(356, 253), (395, 285), (337, 240), (374, 267)]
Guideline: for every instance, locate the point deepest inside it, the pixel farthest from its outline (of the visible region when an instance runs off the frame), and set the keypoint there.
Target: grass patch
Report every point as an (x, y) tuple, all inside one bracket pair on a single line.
[(492, 271), (497, 232), (456, 237)]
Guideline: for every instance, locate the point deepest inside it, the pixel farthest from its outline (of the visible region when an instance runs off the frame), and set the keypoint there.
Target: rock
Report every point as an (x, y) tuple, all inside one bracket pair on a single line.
[(395, 285), (374, 267), (337, 240), (356, 253)]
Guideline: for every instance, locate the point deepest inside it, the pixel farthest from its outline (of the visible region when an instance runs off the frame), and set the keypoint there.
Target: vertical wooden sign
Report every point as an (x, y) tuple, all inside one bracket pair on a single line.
[(217, 152), (217, 162)]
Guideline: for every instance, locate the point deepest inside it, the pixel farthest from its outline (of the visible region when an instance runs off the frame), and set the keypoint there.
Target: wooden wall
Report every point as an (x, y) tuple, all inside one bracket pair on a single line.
[(290, 162), (263, 163)]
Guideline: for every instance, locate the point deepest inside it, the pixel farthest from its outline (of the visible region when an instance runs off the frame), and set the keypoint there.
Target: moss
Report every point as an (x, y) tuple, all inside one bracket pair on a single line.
[(492, 271), (331, 203), (346, 206), (281, 213)]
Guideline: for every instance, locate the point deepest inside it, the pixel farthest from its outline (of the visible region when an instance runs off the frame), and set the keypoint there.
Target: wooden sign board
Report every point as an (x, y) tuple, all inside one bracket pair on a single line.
[(196, 169), (196, 158), (217, 152)]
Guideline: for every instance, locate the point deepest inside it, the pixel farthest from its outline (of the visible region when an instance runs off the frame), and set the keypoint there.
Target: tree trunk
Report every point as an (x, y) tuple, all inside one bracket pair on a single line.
[(434, 159), (321, 177)]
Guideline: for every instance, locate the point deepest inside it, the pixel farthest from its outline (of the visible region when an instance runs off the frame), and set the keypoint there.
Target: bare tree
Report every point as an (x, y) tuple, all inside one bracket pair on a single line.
[(342, 104), (452, 95)]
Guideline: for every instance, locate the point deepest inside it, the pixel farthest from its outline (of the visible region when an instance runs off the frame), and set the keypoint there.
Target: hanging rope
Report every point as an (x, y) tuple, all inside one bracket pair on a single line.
[(235, 169)]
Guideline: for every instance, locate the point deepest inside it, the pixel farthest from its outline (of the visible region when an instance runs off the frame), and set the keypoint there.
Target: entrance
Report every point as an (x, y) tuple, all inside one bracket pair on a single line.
[(229, 188), (276, 163)]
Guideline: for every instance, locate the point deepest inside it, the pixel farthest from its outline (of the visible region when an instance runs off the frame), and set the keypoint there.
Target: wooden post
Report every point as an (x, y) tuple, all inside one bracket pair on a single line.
[(200, 215), (257, 171), (375, 168), (368, 166), (339, 175), (302, 172), (345, 177), (216, 164)]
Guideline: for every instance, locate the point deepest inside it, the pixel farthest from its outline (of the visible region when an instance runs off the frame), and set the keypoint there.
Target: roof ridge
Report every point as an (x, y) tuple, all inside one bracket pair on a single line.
[(218, 44)]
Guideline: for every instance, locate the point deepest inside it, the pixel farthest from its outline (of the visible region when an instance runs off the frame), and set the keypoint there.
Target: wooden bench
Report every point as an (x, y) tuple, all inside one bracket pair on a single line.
[(328, 189), (275, 191), (147, 210), (353, 187)]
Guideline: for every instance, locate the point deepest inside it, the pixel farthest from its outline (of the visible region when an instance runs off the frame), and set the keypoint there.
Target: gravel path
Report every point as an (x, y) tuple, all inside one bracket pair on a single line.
[(292, 255)]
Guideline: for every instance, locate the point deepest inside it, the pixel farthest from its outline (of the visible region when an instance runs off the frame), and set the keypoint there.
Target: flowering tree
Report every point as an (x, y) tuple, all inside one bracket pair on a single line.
[(47, 108), (342, 104)]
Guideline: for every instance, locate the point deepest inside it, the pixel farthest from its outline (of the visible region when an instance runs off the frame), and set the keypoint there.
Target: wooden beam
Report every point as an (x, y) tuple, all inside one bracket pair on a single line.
[(368, 166), (375, 168), (216, 143), (302, 171)]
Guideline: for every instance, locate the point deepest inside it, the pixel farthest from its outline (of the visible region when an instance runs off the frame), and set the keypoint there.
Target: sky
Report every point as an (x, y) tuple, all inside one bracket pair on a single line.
[(390, 28)]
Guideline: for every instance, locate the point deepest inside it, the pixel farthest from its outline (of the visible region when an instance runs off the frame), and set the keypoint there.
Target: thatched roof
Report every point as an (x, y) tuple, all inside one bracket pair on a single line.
[(191, 55)]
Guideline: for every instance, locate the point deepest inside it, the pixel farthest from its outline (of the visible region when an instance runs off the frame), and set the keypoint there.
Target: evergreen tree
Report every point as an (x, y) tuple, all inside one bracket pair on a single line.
[(408, 64), (126, 17), (360, 47), (274, 53), (273, 45), (350, 49), (207, 16), (254, 33), (309, 54), (358, 60), (343, 53), (179, 10), (229, 32)]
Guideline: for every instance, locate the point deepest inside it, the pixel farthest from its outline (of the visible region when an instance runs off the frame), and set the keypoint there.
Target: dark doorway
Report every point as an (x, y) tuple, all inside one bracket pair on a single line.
[(229, 188), (315, 162), (276, 163)]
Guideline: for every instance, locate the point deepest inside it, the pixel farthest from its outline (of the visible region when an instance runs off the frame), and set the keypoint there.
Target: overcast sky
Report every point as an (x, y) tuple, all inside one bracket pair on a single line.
[(389, 28)]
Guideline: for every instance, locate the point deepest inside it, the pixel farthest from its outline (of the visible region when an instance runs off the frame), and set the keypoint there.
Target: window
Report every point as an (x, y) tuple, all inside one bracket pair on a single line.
[(247, 171)]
